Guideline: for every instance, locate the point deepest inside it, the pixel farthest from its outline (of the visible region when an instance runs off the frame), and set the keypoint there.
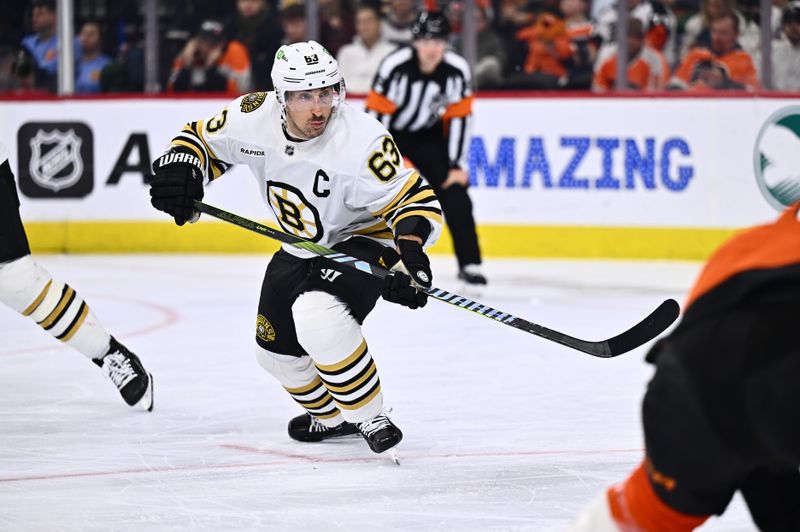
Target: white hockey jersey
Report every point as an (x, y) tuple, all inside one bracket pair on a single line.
[(349, 181)]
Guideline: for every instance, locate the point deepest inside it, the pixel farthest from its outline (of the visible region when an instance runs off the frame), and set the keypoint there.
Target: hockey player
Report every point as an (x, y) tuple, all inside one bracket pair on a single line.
[(333, 175), (29, 289), (422, 93), (721, 413)]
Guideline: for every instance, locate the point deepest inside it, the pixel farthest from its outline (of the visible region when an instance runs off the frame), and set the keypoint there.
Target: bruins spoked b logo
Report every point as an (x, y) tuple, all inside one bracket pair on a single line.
[(55, 159), (296, 215)]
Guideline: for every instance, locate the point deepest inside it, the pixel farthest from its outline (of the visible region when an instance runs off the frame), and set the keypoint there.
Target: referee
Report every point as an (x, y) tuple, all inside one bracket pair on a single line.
[(422, 95)]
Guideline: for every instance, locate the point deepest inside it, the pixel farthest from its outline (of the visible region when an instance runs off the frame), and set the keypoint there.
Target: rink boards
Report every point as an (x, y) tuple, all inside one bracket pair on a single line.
[(551, 177)]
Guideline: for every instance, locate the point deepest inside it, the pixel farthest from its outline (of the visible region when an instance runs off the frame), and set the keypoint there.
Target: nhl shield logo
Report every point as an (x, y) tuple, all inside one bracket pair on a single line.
[(55, 159), (289, 150)]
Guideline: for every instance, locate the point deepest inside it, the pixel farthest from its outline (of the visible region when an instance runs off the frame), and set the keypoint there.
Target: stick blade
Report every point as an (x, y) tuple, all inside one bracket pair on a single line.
[(644, 331)]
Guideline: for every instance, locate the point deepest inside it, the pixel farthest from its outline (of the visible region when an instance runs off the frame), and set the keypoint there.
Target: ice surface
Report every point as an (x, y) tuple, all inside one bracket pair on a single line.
[(503, 430)]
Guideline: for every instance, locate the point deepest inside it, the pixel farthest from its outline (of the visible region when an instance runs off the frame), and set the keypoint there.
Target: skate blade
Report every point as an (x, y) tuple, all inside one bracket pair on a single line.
[(393, 456), (146, 402)]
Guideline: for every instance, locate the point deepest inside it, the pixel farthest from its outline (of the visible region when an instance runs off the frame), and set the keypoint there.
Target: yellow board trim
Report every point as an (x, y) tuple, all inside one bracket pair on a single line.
[(511, 241)]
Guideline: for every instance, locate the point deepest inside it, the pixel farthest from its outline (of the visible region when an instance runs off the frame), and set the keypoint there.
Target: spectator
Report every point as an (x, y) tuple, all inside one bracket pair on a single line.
[(750, 25), (786, 51), (647, 69), (491, 52), (210, 63), (293, 22), (126, 72), (7, 79), (549, 50), (514, 16), (724, 66), (579, 31), (396, 27), (43, 44), (359, 61), (336, 24), (659, 25), (91, 61), (698, 34), (257, 26)]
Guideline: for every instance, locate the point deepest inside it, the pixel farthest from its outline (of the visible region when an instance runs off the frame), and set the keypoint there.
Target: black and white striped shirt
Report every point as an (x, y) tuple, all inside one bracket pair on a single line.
[(406, 100)]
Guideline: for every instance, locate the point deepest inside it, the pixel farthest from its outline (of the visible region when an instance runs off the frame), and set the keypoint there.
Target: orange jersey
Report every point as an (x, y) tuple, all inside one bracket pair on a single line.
[(766, 249), (737, 65), (647, 71), (549, 45), (234, 64)]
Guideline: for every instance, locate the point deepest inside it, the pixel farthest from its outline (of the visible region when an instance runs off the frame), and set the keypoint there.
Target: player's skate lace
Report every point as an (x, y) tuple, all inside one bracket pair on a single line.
[(117, 367), (317, 426), (371, 426)]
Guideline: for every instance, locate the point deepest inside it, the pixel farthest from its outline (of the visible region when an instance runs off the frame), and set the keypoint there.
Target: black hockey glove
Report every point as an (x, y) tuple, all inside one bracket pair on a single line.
[(416, 262), (397, 289), (177, 182)]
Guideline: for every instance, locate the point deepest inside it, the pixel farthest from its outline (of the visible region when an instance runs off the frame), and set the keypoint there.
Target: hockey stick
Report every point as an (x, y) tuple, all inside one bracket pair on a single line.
[(644, 331)]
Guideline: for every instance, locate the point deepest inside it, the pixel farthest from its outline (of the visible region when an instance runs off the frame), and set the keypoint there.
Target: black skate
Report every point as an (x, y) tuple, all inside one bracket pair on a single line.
[(381, 434), (472, 274), (129, 376), (307, 428)]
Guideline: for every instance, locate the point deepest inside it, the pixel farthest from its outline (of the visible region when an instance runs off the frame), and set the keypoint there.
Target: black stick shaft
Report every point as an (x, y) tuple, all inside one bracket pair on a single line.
[(642, 332)]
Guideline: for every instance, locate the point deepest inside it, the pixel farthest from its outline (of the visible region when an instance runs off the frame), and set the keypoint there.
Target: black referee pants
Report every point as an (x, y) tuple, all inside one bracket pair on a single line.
[(428, 153)]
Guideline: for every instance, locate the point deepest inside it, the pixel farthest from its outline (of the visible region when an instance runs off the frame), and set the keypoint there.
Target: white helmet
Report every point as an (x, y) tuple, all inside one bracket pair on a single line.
[(305, 66)]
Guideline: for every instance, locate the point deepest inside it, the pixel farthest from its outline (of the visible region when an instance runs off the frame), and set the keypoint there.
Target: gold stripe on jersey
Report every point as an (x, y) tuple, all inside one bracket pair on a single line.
[(197, 129), (180, 142), (38, 301), (347, 363), (67, 335), (432, 214), (378, 230), (412, 180), (58, 311), (194, 132), (414, 196)]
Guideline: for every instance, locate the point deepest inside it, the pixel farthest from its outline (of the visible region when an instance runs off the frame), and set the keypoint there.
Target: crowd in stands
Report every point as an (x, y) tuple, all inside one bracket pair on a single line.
[(228, 46)]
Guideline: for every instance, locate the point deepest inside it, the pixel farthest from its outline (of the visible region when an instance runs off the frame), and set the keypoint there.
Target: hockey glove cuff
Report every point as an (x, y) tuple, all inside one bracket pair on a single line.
[(176, 184), (416, 262)]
